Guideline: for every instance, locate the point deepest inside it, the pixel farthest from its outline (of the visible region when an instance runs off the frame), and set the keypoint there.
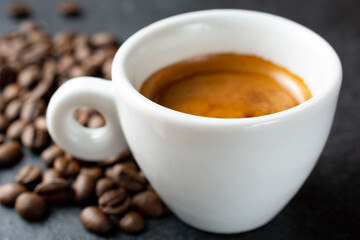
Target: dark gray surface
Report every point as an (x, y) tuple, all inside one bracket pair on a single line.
[(327, 206)]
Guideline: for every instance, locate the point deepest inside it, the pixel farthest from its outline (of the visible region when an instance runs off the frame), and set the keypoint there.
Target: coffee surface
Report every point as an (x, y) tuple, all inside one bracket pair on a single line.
[(226, 86)]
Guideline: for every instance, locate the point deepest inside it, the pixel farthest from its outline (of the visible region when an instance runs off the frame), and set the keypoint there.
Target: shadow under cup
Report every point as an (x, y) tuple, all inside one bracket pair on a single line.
[(226, 175)]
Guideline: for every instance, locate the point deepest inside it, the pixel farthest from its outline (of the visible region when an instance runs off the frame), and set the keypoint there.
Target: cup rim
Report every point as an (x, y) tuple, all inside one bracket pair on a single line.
[(134, 97)]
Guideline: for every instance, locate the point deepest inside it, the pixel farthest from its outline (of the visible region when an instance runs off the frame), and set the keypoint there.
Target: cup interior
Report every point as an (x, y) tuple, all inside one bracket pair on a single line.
[(273, 38)]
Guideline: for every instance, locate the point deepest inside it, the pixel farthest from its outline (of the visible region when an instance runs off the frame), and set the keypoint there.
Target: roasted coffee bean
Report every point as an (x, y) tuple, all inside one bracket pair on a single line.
[(126, 177), (30, 206), (27, 26), (11, 91), (15, 129), (84, 188), (7, 75), (29, 76), (39, 37), (69, 8), (122, 157), (2, 138), (49, 155), (33, 109), (81, 53), (62, 43), (4, 123), (66, 168), (29, 175), (12, 110), (148, 204), (114, 202), (10, 153), (36, 53), (33, 137), (132, 222), (95, 121), (50, 174), (82, 115), (76, 71), (94, 220), (81, 40), (41, 91), (40, 123), (9, 192), (57, 191), (94, 172), (103, 39), (18, 10), (105, 184), (65, 63)]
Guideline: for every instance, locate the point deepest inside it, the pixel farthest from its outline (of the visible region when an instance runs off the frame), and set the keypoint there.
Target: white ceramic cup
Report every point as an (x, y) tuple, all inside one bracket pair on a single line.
[(218, 175)]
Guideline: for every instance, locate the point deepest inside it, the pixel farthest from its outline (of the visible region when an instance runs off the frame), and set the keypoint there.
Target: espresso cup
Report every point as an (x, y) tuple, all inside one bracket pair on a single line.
[(218, 175)]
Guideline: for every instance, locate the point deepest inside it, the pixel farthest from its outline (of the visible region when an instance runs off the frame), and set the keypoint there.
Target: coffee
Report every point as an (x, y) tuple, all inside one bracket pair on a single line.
[(226, 85)]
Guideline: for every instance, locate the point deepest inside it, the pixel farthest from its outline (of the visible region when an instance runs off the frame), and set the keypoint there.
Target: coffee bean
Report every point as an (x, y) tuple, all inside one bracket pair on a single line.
[(41, 91), (96, 121), (103, 39), (29, 175), (82, 115), (69, 8), (148, 204), (33, 137), (7, 75), (57, 191), (12, 110), (122, 157), (81, 53), (9, 192), (33, 109), (62, 43), (40, 123), (39, 37), (29, 76), (84, 187), (126, 177), (50, 174), (11, 91), (94, 220), (65, 63), (4, 123), (81, 40), (18, 10), (10, 153), (30, 206), (49, 155), (114, 202), (27, 26), (36, 53), (46, 87), (94, 172), (66, 168), (105, 184), (79, 70), (132, 222), (15, 129)]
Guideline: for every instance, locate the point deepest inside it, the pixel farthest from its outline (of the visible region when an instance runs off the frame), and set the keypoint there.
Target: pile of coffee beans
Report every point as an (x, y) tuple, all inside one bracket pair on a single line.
[(114, 192)]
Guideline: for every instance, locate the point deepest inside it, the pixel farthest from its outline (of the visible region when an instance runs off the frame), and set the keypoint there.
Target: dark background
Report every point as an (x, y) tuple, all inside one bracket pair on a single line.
[(327, 206)]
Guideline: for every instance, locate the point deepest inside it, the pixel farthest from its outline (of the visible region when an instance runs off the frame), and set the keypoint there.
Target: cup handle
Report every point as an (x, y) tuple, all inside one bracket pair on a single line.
[(84, 143)]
